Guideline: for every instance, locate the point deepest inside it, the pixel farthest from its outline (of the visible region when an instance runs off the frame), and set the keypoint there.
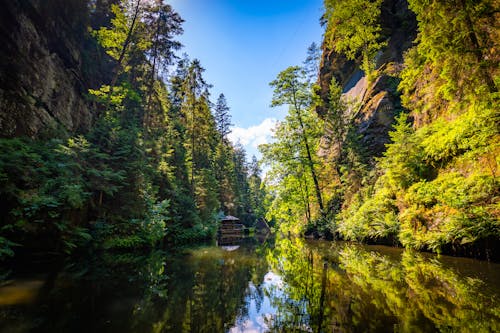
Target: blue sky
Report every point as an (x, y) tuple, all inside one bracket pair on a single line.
[(243, 45)]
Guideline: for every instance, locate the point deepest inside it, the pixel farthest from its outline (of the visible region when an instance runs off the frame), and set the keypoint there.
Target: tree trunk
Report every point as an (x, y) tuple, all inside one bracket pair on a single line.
[(192, 155), (146, 121), (125, 46), (477, 49), (307, 204), (309, 156), (322, 296)]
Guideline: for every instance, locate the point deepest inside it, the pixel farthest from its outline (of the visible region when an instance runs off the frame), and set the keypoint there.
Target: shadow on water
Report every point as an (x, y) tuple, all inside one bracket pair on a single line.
[(266, 284)]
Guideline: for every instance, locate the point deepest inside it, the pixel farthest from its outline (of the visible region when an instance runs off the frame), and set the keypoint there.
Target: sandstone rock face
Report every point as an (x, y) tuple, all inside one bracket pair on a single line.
[(378, 109), (41, 81), (373, 105)]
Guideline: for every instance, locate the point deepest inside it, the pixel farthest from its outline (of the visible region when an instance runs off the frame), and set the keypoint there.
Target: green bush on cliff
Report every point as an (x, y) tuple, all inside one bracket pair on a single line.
[(439, 185)]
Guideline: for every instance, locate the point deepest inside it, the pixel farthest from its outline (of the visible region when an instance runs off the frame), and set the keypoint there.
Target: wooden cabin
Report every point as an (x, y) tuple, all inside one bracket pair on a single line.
[(230, 230)]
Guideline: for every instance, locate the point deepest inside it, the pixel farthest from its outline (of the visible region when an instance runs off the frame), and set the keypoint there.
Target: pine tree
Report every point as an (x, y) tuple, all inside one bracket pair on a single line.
[(222, 117), (311, 64), (257, 193)]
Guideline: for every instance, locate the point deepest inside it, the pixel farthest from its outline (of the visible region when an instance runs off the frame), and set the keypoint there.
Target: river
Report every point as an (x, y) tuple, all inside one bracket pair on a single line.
[(266, 285)]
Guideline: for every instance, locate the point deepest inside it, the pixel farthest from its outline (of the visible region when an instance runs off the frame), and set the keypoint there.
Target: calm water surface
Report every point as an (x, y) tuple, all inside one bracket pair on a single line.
[(269, 285)]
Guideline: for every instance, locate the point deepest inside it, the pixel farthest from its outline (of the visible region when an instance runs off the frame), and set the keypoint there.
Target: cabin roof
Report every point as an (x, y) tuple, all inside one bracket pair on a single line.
[(230, 218)]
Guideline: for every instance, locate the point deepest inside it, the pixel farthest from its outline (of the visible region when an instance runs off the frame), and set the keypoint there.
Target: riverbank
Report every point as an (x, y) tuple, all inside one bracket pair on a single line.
[(487, 249)]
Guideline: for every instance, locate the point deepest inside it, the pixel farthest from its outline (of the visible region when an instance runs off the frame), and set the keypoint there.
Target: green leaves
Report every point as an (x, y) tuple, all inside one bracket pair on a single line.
[(402, 160), (438, 185), (452, 61), (292, 155), (112, 39), (6, 248), (291, 88), (353, 28)]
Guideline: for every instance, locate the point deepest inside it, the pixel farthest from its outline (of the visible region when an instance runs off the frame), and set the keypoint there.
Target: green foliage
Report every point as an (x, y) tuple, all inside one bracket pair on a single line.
[(452, 60), (112, 39), (257, 189), (353, 29), (433, 192), (291, 88), (474, 130), (436, 186), (6, 248), (371, 217), (136, 234), (452, 209), (402, 160), (293, 177), (44, 190), (222, 117)]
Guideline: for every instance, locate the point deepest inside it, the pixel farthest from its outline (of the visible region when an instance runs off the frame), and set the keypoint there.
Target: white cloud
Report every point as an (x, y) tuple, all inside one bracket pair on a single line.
[(253, 136)]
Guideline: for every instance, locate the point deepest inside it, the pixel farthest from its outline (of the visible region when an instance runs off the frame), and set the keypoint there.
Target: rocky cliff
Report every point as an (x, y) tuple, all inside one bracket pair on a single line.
[(44, 71), (372, 105)]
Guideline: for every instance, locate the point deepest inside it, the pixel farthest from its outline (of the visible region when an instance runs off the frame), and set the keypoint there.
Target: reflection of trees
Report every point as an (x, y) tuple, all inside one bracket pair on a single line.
[(420, 292), (206, 293), (356, 290), (325, 288), (258, 271), (449, 300), (299, 305), (203, 291), (91, 295), (208, 289)]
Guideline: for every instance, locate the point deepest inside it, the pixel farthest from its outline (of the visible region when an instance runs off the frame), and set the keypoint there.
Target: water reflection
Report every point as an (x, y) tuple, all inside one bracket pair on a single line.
[(277, 286), (350, 289)]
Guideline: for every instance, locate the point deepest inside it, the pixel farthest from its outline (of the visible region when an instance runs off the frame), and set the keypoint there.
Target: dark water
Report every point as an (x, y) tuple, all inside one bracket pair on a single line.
[(262, 286)]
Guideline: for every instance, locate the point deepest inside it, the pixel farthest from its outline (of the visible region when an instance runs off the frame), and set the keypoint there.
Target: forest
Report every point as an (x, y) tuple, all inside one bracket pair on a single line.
[(154, 168), (392, 133)]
